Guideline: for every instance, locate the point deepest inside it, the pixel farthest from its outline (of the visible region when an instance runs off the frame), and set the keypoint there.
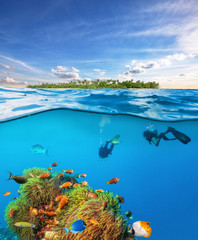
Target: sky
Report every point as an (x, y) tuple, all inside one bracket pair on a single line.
[(65, 40)]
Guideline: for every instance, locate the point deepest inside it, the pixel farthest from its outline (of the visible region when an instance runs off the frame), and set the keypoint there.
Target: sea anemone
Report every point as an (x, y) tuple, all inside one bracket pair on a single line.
[(37, 200)]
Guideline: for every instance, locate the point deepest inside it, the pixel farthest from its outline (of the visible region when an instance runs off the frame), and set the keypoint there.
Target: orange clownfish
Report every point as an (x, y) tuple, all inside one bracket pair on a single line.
[(84, 184), (70, 171), (100, 190), (6, 194), (54, 164), (83, 175), (44, 175), (113, 180), (66, 185), (94, 221), (51, 214), (61, 175), (120, 199), (63, 202), (12, 212), (76, 185), (58, 198), (91, 194), (33, 211)]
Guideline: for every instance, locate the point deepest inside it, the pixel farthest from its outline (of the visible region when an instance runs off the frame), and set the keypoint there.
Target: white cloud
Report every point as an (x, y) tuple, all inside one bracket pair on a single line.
[(64, 72), (100, 71), (163, 62), (127, 66), (61, 68), (74, 69), (7, 66), (68, 75), (181, 6), (25, 65), (10, 82), (97, 70)]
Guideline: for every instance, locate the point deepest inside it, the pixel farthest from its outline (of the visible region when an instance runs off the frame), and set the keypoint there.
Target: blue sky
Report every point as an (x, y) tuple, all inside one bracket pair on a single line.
[(64, 40)]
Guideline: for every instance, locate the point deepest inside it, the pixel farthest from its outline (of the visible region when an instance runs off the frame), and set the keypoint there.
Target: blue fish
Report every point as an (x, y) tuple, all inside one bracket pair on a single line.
[(77, 226), (38, 149)]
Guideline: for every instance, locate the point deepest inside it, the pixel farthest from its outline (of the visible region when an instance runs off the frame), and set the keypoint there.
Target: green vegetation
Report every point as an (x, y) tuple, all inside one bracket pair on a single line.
[(98, 84)]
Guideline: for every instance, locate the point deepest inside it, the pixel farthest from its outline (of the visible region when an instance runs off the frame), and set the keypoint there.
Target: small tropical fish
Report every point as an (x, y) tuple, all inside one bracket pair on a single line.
[(18, 192), (12, 212), (83, 175), (141, 229), (33, 211), (75, 185), (41, 211), (94, 221), (38, 149), (91, 194), (54, 164), (61, 175), (18, 178), (51, 213), (58, 198), (105, 205), (14, 198), (24, 225), (70, 171), (129, 214), (6, 194), (63, 202), (66, 185), (77, 175), (77, 226), (49, 168), (100, 190), (113, 180), (56, 222), (84, 184), (44, 175), (120, 199), (82, 202), (51, 204)]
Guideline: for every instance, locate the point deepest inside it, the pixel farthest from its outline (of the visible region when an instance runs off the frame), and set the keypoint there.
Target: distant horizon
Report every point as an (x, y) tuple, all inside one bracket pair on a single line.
[(51, 42)]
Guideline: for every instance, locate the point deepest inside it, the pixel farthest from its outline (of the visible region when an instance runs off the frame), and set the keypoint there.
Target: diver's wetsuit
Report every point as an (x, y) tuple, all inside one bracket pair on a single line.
[(104, 151)]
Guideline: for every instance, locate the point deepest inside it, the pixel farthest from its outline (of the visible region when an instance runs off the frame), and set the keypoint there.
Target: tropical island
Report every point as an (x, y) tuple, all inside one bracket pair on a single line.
[(98, 84)]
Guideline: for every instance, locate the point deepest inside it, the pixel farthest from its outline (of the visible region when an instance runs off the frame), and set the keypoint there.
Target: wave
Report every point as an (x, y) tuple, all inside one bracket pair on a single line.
[(156, 104)]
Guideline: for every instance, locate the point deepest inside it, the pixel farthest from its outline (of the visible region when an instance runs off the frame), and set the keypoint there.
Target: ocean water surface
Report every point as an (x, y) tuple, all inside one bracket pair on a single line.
[(159, 184)]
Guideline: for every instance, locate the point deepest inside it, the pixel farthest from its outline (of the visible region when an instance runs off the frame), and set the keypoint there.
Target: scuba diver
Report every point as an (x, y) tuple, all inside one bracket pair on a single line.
[(104, 150), (152, 136)]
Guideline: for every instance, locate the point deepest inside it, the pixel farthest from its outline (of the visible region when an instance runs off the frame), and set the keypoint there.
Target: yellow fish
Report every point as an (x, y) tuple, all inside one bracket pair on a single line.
[(94, 221), (6, 194), (24, 225), (141, 229)]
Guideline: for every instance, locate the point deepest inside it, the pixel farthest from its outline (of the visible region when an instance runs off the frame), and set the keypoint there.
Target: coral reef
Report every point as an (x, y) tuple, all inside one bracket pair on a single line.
[(38, 204)]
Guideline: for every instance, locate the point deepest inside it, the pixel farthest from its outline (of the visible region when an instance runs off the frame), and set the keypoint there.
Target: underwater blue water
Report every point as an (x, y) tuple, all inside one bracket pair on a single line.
[(159, 184)]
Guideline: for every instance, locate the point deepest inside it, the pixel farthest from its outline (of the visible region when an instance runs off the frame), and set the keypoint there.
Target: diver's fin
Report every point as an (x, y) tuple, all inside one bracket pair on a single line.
[(115, 142), (114, 138), (180, 136), (11, 176)]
